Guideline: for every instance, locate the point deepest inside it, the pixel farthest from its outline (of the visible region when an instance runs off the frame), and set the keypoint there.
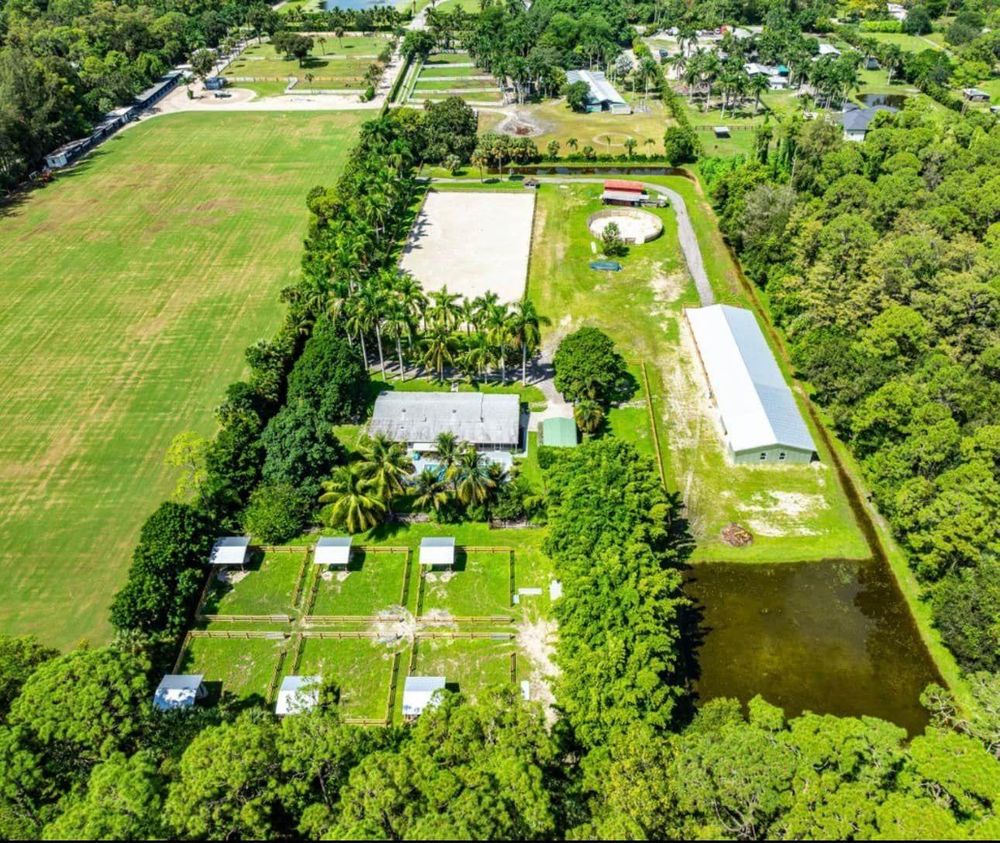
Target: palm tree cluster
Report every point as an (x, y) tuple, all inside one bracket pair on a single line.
[(464, 475), (441, 331), (360, 494)]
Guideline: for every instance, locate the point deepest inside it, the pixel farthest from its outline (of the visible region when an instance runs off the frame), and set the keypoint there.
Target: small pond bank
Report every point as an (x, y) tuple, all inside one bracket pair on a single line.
[(829, 637)]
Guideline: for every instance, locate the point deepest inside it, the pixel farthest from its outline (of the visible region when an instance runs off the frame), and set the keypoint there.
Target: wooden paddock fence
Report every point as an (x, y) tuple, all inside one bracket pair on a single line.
[(321, 619), (273, 635), (246, 618)]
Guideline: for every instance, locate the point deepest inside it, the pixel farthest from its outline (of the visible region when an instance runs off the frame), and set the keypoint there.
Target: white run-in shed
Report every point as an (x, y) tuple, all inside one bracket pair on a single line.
[(179, 690), (419, 693), (297, 694), (759, 416), (333, 550), (437, 551), (230, 552)]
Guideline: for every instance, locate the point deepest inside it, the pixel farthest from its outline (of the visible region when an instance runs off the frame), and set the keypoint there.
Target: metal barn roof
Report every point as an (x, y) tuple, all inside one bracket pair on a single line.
[(230, 550), (297, 694), (437, 550), (473, 417), (758, 409), (177, 690), (332, 550), (601, 90), (418, 693), (559, 433)]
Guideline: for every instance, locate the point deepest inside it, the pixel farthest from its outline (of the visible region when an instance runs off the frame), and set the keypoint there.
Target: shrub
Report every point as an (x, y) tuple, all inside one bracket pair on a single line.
[(330, 376), (966, 608), (576, 95), (276, 512), (168, 566), (680, 145), (300, 449), (611, 240)]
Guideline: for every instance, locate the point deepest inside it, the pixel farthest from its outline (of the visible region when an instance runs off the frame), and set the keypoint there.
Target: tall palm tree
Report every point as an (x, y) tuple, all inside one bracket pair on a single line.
[(446, 446), (589, 415), (356, 322), (758, 84), (526, 326), (439, 350), (430, 491), (398, 325), (445, 310), (468, 312), (498, 328), (478, 354), (354, 504), (471, 476), (386, 464)]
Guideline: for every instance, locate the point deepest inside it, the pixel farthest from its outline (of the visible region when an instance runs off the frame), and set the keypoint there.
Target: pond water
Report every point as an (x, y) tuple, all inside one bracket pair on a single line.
[(353, 5), (891, 100), (607, 170), (829, 637)]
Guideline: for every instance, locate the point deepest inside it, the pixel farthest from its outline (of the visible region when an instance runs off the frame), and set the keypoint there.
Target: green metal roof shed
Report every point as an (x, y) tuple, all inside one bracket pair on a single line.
[(559, 433)]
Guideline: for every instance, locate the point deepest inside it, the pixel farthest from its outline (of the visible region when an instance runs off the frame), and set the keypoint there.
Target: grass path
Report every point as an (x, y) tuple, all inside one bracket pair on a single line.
[(132, 285)]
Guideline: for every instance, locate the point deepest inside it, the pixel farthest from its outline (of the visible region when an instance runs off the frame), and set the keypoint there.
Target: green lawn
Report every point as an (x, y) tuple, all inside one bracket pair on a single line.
[(449, 58), (795, 513), (373, 582), (242, 667), (361, 667), (450, 71), (908, 43), (424, 86), (477, 587), (265, 588), (332, 64), (468, 665), (132, 284)]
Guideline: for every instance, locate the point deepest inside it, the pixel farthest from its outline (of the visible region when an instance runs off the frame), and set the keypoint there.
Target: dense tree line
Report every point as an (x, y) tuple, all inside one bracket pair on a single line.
[(880, 261)]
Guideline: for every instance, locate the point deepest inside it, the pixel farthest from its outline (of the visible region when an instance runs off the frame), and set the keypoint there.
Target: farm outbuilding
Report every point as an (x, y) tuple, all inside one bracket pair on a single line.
[(334, 551), (760, 420), (619, 192), (488, 422), (297, 694), (558, 433), (179, 690), (230, 552), (437, 551), (420, 693), (602, 95)]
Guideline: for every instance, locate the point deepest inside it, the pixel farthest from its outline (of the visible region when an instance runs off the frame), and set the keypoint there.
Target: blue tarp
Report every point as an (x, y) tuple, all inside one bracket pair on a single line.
[(611, 266)]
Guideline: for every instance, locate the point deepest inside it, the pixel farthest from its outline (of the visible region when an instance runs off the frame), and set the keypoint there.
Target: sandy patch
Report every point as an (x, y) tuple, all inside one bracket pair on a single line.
[(472, 243), (231, 576), (536, 642), (394, 625), (779, 514)]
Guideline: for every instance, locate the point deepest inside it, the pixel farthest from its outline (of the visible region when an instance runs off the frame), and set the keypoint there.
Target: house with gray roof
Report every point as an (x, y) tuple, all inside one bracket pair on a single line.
[(760, 420), (856, 121), (602, 95), (488, 422)]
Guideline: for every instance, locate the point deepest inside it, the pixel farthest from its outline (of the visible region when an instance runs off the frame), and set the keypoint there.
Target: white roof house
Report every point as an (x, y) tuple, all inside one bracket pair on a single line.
[(759, 416), (333, 550), (419, 693), (489, 422), (437, 550), (602, 95), (297, 694), (230, 551), (179, 690)]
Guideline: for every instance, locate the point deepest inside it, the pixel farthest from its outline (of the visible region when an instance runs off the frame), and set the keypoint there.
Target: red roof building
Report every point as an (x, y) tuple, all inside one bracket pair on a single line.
[(626, 186)]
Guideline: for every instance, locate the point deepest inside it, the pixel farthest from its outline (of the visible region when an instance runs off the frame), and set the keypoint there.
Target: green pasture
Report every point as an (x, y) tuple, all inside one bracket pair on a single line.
[(457, 84), (469, 666), (371, 583), (132, 285), (333, 63), (241, 667), (266, 587), (361, 667), (478, 586)]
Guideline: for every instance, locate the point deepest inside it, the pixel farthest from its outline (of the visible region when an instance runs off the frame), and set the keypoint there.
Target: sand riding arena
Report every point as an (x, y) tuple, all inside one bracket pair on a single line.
[(634, 225)]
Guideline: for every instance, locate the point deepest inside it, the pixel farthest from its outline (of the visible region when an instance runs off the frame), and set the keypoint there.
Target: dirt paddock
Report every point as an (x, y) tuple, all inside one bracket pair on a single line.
[(472, 243)]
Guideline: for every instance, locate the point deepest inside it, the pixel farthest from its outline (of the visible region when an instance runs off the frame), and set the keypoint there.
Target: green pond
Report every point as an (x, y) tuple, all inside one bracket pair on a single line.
[(829, 637)]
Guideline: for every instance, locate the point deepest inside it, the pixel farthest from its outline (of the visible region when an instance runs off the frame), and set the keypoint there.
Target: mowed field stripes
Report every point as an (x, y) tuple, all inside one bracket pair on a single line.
[(131, 287)]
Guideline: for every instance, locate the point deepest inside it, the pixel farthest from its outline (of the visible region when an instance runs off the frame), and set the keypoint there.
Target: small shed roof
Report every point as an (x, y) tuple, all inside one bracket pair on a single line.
[(297, 694), (721, 131), (437, 550), (621, 196), (622, 184), (419, 693), (178, 690), (757, 407), (333, 550), (230, 550), (559, 433)]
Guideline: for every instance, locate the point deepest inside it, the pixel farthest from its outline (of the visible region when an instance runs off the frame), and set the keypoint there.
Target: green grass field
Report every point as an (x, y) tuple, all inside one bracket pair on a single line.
[(361, 667), (795, 513), (373, 582), (242, 667), (477, 587), (468, 665), (265, 588), (132, 285), (333, 64)]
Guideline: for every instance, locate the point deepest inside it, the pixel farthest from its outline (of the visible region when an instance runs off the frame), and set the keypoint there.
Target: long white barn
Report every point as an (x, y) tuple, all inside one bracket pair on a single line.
[(759, 416)]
